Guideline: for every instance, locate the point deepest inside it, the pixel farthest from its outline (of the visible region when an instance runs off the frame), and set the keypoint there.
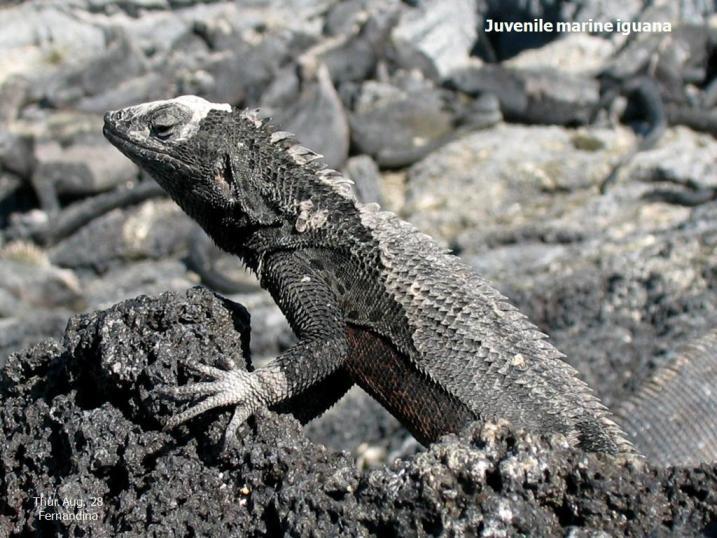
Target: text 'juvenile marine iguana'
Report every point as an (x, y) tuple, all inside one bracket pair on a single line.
[(371, 299)]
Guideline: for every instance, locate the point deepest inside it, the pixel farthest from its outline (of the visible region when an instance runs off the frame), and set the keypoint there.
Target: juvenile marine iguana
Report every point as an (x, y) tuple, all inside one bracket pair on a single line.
[(371, 299)]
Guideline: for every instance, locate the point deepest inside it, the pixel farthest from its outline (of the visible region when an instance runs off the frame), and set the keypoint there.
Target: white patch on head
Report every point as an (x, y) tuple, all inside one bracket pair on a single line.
[(200, 108), (197, 106)]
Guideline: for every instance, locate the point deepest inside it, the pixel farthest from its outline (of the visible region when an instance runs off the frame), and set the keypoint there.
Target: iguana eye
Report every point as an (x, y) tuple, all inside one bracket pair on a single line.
[(162, 131), (162, 126)]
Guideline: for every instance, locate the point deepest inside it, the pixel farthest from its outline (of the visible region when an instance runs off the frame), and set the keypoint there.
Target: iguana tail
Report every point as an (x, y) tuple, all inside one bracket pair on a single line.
[(673, 418)]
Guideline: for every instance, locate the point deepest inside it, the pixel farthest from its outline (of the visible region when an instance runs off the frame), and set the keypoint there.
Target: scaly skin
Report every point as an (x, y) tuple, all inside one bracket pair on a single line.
[(673, 418), (371, 300)]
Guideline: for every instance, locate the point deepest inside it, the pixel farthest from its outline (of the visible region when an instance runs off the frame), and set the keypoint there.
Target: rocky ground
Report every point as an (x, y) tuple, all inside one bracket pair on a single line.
[(86, 425), (497, 145)]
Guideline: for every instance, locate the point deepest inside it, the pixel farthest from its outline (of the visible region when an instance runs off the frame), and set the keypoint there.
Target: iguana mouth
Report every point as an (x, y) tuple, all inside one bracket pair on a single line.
[(135, 150)]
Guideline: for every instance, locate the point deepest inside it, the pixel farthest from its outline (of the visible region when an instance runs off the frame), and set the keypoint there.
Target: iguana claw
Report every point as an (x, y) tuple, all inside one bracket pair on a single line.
[(229, 387)]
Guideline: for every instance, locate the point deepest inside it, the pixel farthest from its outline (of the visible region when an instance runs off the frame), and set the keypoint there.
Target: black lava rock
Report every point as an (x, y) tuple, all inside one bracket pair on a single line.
[(82, 436)]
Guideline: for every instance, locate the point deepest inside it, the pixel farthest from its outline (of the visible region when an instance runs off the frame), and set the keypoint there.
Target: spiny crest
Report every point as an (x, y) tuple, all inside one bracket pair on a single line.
[(254, 117), (278, 136), (311, 160), (301, 155), (338, 182)]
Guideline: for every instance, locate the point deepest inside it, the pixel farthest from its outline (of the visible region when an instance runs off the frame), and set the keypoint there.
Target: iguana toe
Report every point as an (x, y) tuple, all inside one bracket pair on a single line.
[(230, 387)]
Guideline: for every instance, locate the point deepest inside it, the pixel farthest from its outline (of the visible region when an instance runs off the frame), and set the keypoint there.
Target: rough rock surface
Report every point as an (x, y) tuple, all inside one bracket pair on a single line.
[(436, 36), (398, 123), (78, 170), (154, 230), (80, 423), (507, 183), (319, 116), (533, 95)]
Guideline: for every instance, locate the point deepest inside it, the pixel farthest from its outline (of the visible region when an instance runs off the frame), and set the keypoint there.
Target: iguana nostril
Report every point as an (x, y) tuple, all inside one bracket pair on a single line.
[(113, 116)]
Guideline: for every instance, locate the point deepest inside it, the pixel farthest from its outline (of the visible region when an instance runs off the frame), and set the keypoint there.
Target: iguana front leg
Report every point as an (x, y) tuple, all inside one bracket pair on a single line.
[(313, 313)]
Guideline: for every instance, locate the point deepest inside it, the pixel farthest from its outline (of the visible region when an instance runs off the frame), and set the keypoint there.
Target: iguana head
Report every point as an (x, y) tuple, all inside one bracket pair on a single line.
[(195, 150), (227, 168)]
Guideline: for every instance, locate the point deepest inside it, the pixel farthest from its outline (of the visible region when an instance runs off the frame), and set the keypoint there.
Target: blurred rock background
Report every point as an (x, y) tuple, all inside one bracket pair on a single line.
[(576, 171)]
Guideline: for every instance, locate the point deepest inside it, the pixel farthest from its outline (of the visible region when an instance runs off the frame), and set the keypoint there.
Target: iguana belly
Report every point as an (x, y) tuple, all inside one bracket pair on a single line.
[(421, 405)]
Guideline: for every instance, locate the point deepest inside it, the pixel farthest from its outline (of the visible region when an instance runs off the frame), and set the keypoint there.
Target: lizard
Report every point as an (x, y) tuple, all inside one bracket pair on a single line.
[(672, 418), (371, 299)]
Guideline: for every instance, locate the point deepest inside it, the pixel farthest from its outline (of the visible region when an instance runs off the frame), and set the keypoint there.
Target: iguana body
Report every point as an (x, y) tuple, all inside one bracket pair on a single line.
[(673, 418), (371, 300)]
